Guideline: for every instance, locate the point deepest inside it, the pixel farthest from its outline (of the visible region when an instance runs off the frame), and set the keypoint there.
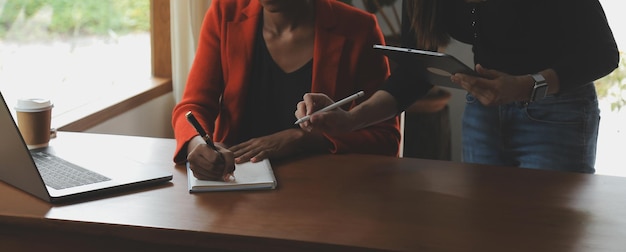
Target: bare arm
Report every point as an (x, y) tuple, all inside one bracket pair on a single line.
[(379, 107), (496, 88)]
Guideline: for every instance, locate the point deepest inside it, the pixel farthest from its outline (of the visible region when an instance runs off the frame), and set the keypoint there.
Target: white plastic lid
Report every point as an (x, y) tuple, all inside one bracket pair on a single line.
[(33, 105)]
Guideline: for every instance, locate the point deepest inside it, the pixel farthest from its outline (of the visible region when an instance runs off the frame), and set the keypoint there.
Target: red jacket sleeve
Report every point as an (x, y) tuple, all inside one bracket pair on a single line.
[(204, 85)]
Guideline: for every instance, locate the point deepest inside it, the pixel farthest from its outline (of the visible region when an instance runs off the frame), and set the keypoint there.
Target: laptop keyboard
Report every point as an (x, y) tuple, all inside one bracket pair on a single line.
[(60, 174)]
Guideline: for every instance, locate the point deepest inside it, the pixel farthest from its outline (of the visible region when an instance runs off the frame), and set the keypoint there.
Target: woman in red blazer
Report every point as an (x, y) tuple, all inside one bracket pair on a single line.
[(254, 62)]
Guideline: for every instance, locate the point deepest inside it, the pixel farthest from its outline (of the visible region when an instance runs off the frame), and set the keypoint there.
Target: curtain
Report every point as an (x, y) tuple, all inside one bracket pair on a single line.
[(186, 20)]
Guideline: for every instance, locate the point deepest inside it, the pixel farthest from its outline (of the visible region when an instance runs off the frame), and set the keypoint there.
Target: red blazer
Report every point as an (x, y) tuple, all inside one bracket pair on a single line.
[(343, 63)]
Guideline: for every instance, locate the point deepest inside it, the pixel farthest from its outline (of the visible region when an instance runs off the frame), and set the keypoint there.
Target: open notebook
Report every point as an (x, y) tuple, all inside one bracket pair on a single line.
[(248, 176)]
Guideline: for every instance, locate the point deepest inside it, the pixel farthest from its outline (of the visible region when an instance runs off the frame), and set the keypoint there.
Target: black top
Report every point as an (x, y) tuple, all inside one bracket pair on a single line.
[(521, 37), (273, 94)]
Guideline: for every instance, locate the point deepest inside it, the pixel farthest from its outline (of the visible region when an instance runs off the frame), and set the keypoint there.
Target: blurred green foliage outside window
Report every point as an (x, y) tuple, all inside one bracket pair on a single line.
[(70, 18)]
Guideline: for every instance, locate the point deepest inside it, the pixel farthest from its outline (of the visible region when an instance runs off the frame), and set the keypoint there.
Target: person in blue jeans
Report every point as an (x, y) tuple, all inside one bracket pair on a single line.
[(533, 105)]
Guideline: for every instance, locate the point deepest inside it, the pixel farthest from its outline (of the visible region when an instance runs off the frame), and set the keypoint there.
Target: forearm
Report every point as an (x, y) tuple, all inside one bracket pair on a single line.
[(381, 139), (292, 141), (380, 107)]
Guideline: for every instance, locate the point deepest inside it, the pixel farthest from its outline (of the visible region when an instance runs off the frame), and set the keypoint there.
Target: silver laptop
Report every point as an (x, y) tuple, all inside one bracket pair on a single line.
[(439, 66), (54, 179)]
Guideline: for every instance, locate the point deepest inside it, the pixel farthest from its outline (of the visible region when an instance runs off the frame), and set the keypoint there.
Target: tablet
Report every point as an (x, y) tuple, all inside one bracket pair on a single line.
[(439, 66)]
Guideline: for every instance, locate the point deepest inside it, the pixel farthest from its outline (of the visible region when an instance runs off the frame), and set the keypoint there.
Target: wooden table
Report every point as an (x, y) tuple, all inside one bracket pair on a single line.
[(325, 203)]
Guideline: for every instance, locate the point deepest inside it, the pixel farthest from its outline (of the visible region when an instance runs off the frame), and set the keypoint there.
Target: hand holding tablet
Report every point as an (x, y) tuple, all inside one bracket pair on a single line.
[(439, 66)]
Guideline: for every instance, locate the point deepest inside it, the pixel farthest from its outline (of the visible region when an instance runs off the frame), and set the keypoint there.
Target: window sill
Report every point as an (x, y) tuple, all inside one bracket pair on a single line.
[(96, 112)]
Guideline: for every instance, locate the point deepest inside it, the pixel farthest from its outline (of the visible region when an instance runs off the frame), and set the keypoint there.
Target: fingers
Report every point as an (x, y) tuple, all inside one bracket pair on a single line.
[(241, 151), (465, 81), (475, 84), (301, 112), (229, 164), (315, 101), (488, 73), (490, 87), (207, 164), (204, 169), (253, 156), (322, 117), (250, 150), (310, 103), (482, 81), (260, 156), (301, 108), (477, 89)]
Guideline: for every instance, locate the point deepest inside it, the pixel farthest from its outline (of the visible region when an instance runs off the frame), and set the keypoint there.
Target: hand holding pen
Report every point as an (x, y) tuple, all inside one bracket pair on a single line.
[(204, 166), (330, 119), (330, 107)]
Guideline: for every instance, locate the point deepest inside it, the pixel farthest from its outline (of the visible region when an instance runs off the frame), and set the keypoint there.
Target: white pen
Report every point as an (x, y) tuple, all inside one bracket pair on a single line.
[(332, 106)]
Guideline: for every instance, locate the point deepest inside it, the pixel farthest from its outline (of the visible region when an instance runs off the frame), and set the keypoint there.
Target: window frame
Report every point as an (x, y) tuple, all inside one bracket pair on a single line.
[(88, 116)]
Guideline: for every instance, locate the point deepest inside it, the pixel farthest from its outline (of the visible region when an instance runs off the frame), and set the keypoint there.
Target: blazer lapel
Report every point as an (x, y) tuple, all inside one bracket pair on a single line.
[(241, 36), (329, 46)]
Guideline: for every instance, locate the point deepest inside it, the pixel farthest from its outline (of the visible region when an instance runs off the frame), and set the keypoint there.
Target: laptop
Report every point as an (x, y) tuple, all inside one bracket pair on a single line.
[(52, 178), (439, 66)]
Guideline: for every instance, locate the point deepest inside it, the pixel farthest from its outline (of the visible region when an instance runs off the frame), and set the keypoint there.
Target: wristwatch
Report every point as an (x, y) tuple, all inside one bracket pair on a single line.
[(540, 89)]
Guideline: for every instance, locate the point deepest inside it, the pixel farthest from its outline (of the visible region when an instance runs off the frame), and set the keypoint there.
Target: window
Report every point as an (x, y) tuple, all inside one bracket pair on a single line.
[(612, 100), (84, 55)]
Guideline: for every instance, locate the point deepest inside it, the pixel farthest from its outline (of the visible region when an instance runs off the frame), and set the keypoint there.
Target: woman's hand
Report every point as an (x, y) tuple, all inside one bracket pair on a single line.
[(495, 88), (332, 122), (208, 164), (277, 145)]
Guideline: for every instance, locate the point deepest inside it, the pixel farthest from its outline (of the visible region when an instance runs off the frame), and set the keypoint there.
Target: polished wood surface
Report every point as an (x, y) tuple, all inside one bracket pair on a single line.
[(328, 202)]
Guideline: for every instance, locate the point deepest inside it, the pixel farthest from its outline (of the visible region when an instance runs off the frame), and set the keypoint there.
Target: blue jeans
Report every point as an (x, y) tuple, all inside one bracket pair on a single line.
[(558, 133)]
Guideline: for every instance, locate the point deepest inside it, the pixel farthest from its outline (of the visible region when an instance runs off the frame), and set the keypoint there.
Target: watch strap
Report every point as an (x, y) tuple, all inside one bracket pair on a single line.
[(540, 88)]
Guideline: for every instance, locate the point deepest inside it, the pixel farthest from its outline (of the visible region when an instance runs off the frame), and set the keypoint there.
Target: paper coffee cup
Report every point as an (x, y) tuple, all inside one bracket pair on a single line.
[(33, 119)]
